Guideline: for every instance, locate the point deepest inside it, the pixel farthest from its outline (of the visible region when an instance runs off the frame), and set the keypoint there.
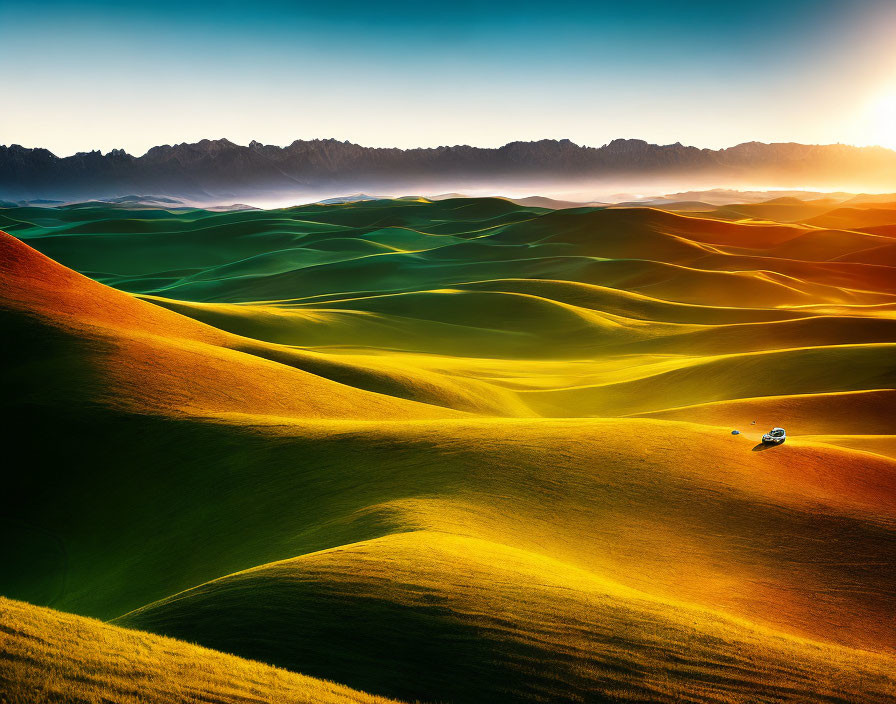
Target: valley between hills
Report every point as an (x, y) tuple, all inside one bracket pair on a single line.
[(459, 451)]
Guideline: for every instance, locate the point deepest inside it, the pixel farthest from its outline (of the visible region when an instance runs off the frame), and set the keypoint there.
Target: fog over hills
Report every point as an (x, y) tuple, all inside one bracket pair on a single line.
[(211, 170)]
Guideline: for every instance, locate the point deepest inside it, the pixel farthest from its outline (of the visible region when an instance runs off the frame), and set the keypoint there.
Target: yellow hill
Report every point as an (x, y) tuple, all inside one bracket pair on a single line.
[(47, 657), (683, 381), (854, 413), (517, 625)]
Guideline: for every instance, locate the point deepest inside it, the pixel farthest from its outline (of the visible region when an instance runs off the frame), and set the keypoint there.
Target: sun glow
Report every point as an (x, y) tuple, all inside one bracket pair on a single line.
[(882, 120)]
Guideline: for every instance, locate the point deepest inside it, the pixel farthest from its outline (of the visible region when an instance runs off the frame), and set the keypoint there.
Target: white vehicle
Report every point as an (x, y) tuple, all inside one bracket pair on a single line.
[(775, 436)]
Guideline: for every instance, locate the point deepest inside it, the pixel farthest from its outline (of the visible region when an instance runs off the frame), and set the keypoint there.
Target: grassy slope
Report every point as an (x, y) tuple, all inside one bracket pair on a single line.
[(407, 612), (805, 526), (851, 413), (480, 307), (806, 537), (48, 658), (102, 345)]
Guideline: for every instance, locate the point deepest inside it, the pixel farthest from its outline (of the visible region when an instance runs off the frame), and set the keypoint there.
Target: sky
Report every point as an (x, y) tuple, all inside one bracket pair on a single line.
[(85, 75)]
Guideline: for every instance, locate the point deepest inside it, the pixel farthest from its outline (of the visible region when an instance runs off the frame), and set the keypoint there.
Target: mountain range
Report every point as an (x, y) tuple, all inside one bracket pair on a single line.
[(211, 170)]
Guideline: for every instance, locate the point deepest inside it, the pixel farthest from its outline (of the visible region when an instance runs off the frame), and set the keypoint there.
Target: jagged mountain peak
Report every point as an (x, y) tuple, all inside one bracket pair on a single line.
[(220, 168)]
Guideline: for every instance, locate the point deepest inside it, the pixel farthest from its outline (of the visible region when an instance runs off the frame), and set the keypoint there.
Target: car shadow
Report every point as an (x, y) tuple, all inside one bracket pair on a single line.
[(764, 446)]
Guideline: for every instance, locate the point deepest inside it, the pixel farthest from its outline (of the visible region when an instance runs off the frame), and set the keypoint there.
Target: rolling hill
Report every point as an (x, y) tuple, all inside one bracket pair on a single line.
[(51, 657), (462, 450)]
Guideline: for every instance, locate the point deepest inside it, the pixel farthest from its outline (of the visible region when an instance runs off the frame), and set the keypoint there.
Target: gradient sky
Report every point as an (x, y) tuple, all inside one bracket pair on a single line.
[(101, 75)]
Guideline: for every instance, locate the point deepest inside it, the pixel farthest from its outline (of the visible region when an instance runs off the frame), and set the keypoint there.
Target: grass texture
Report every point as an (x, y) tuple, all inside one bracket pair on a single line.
[(454, 451)]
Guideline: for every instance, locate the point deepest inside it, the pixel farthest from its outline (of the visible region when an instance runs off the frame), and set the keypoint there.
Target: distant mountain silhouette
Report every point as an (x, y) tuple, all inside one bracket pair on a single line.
[(215, 169)]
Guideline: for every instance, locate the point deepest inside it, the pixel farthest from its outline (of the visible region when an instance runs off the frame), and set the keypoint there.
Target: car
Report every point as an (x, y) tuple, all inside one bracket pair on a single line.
[(775, 436)]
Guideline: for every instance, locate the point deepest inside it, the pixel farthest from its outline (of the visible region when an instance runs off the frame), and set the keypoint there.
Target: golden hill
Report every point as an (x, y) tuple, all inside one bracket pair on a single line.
[(427, 605), (47, 657)]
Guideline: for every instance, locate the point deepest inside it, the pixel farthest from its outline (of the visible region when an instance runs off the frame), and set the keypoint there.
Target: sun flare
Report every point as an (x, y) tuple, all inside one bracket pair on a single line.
[(882, 114)]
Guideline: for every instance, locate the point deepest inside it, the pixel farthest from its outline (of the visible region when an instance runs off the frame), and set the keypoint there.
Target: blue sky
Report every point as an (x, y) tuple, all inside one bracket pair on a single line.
[(80, 76)]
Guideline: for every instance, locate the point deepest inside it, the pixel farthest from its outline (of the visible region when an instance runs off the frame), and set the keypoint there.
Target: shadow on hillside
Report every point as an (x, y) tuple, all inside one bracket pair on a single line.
[(764, 446)]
